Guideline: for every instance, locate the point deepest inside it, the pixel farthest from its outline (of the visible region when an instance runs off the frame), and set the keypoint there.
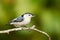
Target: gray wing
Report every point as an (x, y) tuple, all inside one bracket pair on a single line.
[(18, 19)]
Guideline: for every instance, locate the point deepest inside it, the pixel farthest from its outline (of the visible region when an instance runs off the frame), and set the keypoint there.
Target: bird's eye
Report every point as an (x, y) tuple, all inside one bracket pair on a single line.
[(29, 15)]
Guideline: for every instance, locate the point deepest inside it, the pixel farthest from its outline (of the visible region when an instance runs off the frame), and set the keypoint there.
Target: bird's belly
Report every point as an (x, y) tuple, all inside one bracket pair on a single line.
[(25, 22), (18, 24)]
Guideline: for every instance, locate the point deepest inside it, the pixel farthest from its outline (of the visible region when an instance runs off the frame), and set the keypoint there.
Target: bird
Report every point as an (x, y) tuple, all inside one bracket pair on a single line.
[(22, 20)]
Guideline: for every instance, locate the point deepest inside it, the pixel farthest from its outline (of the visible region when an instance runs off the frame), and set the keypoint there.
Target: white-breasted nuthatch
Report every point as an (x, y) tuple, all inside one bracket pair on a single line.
[(22, 20)]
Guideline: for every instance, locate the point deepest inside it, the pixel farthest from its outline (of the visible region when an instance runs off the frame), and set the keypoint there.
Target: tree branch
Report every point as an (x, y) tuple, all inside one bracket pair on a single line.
[(24, 28)]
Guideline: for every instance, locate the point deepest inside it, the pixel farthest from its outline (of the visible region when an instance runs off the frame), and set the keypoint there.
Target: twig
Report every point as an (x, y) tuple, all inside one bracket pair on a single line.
[(24, 28)]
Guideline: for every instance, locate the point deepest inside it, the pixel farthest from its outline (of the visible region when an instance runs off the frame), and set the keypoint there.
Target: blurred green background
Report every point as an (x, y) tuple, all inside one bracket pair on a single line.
[(47, 18)]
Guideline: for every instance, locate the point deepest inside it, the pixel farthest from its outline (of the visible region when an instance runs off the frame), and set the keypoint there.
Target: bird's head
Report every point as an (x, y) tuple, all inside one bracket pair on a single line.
[(29, 15)]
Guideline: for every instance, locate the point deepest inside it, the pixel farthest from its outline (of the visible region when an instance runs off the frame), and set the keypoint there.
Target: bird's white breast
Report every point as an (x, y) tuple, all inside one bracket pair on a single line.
[(27, 20)]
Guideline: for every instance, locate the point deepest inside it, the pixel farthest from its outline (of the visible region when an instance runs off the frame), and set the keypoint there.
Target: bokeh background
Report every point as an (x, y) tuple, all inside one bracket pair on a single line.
[(47, 18)]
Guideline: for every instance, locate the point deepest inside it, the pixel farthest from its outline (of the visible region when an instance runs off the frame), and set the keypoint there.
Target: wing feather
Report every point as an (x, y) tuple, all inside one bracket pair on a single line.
[(19, 19)]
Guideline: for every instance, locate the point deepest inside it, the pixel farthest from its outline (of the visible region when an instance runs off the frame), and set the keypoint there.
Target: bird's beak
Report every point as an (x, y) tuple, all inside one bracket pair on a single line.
[(33, 16)]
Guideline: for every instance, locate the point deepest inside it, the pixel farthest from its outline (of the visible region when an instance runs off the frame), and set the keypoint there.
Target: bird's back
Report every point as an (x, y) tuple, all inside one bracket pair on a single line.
[(18, 19)]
